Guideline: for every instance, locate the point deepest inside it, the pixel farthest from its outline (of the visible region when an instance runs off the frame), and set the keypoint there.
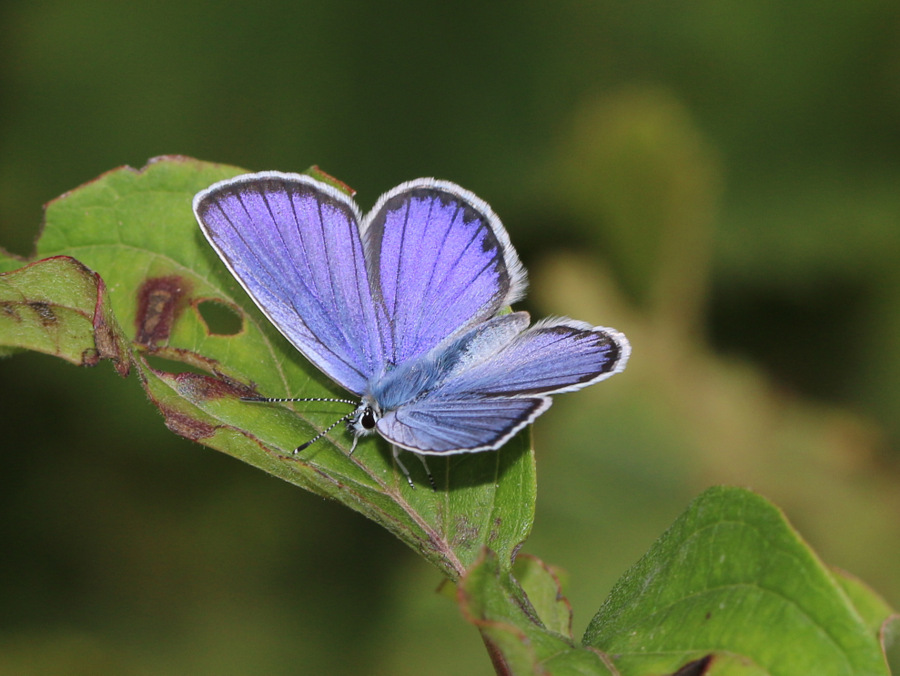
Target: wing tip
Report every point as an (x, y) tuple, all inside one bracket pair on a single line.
[(518, 276), (204, 198)]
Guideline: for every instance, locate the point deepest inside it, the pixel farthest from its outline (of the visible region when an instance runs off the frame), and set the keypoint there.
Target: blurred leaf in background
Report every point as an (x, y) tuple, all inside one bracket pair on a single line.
[(717, 180)]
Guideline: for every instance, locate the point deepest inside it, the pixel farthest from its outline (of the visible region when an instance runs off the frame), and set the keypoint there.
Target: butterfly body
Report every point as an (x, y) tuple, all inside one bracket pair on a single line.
[(402, 307)]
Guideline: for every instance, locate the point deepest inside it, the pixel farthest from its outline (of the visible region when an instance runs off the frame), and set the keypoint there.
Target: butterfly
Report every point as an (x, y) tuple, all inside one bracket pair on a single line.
[(403, 307)]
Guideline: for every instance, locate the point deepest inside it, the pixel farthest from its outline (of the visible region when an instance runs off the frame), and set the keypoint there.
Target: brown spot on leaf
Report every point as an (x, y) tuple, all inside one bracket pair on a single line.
[(8, 309), (199, 387), (44, 312), (515, 552), (178, 359), (495, 529), (466, 532), (107, 336), (158, 304), (90, 357), (185, 426), (107, 345)]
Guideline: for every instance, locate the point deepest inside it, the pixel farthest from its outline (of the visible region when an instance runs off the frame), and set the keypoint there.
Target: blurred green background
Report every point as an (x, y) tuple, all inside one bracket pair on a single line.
[(716, 179)]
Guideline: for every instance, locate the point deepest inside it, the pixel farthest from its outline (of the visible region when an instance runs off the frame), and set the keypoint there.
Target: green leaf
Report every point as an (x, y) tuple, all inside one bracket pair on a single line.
[(517, 639), (882, 620), (733, 580), (158, 280), (59, 307), (541, 585), (873, 609)]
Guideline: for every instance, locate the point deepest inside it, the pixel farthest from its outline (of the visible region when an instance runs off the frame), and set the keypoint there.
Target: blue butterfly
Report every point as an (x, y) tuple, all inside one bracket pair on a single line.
[(402, 306)]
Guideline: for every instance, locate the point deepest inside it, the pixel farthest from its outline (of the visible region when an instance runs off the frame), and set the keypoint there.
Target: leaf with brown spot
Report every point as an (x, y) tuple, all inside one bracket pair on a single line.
[(160, 300), (136, 229), (56, 306)]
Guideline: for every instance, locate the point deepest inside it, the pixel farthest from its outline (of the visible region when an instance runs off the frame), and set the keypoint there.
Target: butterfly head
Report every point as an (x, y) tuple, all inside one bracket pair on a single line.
[(363, 420)]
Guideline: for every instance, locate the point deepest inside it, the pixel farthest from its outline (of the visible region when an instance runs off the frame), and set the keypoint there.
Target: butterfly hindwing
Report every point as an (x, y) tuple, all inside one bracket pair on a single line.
[(553, 356), (483, 401), (458, 424), (294, 245)]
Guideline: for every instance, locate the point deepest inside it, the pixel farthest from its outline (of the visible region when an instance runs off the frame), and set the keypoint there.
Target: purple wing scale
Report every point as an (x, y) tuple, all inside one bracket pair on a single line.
[(440, 262), (294, 245)]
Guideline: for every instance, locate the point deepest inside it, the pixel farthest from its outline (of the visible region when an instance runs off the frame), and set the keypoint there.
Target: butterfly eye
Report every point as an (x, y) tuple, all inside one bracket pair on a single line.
[(368, 418)]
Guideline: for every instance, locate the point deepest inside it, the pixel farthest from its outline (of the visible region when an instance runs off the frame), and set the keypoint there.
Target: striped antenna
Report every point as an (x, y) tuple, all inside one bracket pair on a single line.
[(275, 400)]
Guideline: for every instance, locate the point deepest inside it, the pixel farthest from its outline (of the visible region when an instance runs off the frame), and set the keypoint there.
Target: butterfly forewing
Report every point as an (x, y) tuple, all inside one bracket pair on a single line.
[(440, 261), (294, 244)]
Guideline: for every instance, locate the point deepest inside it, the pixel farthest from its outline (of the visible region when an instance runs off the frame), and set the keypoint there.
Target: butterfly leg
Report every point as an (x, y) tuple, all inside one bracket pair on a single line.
[(428, 472), (397, 450)]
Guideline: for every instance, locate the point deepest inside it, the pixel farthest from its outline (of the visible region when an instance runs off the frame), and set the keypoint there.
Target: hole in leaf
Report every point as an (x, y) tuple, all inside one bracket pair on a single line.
[(220, 319), (695, 668)]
